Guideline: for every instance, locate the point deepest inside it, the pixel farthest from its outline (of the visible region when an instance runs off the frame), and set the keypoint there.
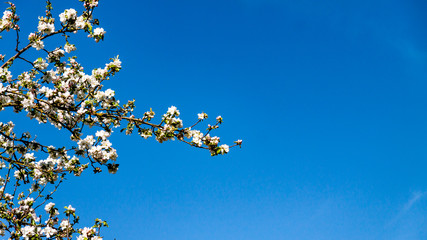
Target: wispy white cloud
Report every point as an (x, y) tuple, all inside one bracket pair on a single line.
[(406, 223), (416, 197)]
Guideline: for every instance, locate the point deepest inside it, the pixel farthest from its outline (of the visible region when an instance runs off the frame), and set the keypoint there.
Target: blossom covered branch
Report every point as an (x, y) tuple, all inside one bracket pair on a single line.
[(55, 89)]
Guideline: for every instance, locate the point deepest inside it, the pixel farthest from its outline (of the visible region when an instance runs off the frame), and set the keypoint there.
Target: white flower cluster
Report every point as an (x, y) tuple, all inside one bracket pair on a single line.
[(51, 227), (202, 116), (171, 124), (71, 21), (65, 224), (56, 55), (30, 231), (5, 141), (86, 144), (49, 231), (88, 233), (69, 15), (91, 3), (102, 134), (101, 152), (8, 20), (46, 25), (69, 47), (99, 32), (50, 207), (40, 64), (5, 75), (35, 41), (197, 137)]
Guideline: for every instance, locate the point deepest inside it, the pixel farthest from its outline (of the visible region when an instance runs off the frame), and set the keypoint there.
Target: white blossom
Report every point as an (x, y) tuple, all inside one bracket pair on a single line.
[(49, 231), (102, 134), (45, 27), (67, 15), (40, 64), (65, 224), (86, 143), (98, 31), (49, 207), (38, 45), (69, 47), (224, 148), (28, 231)]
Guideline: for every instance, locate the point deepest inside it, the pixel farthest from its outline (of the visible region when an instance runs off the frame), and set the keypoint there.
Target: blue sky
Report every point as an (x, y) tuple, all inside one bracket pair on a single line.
[(329, 98)]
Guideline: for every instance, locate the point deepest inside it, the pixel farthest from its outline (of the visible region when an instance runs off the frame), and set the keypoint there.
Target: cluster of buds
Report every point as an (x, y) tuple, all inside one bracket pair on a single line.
[(9, 19)]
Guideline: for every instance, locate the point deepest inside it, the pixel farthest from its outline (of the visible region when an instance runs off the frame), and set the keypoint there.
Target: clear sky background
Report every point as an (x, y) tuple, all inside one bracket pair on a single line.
[(329, 97)]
